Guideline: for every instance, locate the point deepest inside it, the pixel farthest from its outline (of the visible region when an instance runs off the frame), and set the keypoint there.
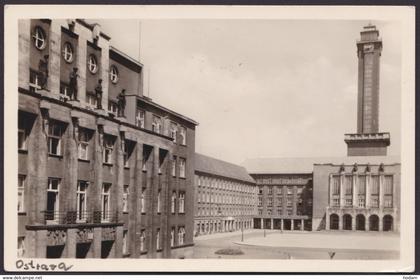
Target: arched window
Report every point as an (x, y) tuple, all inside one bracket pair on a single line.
[(68, 52), (360, 222), (173, 201), (181, 236), (374, 223), (388, 223), (39, 38), (92, 64), (334, 221), (113, 74)]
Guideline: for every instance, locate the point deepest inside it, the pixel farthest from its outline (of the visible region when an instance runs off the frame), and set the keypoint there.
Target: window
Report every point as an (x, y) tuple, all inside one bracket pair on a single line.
[(289, 202), (181, 202), (174, 131), (81, 200), (259, 212), (375, 184), (156, 124), (270, 190), (269, 212), (158, 239), (260, 191), (374, 201), (125, 198), (55, 131), (173, 202), (182, 167), (91, 100), (361, 201), (143, 200), (108, 147), (289, 212), (259, 201), (335, 185), (348, 185), (172, 236), (173, 166), (65, 93), (142, 240), (21, 193), (140, 118), (388, 191), (183, 135), (22, 135), (125, 242), (112, 107), (270, 202), (21, 246), (289, 190), (52, 198), (181, 236), (39, 38), (279, 211), (105, 201), (349, 202), (126, 155), (83, 145), (113, 74), (92, 64), (158, 201), (279, 190), (335, 202), (68, 52)]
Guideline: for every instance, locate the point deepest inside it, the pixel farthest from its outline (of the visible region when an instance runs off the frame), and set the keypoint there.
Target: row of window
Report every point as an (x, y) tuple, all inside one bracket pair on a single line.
[(279, 201), (360, 188), (56, 131), (361, 201), (221, 184), (224, 211), (226, 198), (280, 190), (53, 192)]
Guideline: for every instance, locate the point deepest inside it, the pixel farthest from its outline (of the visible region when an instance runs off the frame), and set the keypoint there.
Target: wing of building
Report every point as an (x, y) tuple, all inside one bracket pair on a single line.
[(98, 161), (225, 196)]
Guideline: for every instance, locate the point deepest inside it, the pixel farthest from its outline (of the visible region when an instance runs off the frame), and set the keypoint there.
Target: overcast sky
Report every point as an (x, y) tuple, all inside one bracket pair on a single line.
[(263, 88)]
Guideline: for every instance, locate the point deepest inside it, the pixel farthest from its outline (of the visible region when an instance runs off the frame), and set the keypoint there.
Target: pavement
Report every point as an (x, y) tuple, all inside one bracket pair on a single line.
[(300, 245)]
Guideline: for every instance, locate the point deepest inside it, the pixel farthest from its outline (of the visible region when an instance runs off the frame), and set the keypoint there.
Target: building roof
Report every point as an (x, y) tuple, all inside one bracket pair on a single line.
[(302, 165), (221, 168)]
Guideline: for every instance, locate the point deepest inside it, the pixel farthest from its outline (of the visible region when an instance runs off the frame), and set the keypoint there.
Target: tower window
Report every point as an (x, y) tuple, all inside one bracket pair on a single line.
[(39, 38), (68, 52), (21, 193)]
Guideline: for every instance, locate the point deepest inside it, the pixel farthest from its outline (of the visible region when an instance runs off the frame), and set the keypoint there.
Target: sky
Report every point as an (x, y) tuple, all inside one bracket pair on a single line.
[(263, 88)]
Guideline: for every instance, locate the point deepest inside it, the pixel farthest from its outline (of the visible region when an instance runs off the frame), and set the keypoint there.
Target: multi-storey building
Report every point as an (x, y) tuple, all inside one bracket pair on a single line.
[(357, 192), (103, 171), (225, 196)]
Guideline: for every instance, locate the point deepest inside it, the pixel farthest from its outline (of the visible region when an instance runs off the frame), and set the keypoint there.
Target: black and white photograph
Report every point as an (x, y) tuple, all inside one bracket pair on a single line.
[(185, 138)]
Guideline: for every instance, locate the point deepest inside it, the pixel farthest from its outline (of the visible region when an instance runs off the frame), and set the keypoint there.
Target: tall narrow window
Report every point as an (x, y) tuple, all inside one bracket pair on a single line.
[(182, 167), (52, 198), (181, 236), (158, 201), (142, 240), (181, 202), (125, 198), (388, 191), (183, 135), (173, 202), (125, 242), (173, 166), (22, 134), (55, 131), (21, 246), (172, 236), (174, 131), (158, 239), (81, 200), (21, 193), (126, 154), (143, 200), (83, 145), (140, 118), (108, 148), (105, 201), (156, 124)]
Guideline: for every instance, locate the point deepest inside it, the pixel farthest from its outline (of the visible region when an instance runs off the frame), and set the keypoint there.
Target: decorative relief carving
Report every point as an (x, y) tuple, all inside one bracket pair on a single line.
[(84, 235), (108, 233), (56, 237)]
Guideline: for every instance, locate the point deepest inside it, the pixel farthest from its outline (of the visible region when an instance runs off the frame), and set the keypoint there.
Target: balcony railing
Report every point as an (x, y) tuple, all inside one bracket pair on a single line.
[(87, 217)]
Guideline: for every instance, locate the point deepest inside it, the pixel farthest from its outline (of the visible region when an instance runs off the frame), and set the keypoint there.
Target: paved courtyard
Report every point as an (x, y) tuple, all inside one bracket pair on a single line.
[(300, 245)]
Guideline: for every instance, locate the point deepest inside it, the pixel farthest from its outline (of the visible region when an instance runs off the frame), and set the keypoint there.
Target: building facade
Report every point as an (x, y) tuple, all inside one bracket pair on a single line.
[(103, 171), (360, 192), (225, 197)]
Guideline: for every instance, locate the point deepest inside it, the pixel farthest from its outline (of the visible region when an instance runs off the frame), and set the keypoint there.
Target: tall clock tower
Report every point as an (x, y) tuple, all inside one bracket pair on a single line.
[(368, 141)]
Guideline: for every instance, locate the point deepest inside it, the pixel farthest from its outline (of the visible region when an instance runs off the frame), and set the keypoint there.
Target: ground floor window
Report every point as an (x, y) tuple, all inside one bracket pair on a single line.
[(21, 246), (181, 235)]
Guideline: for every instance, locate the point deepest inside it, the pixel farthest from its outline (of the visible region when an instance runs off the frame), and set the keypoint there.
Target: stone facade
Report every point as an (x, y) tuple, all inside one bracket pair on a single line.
[(91, 184)]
